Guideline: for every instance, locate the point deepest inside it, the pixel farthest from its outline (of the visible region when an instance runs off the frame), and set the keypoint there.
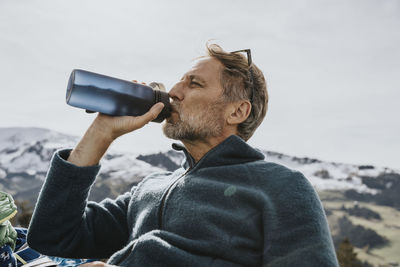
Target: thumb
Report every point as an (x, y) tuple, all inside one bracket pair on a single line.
[(156, 109), (150, 115)]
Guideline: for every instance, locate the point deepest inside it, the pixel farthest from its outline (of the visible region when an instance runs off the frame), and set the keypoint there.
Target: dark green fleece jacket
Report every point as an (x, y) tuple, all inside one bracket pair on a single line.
[(231, 208)]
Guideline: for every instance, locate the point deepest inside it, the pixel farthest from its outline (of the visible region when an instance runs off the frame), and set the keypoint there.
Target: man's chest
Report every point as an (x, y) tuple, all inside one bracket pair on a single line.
[(195, 206)]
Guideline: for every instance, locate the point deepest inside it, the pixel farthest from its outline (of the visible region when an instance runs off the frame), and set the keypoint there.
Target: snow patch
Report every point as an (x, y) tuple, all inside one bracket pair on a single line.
[(3, 174)]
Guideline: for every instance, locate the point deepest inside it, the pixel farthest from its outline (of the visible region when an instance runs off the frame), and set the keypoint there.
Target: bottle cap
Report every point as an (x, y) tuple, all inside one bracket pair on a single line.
[(157, 86), (161, 95)]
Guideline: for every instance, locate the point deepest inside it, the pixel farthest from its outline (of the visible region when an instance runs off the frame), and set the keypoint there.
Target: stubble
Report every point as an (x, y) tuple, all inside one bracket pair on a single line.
[(197, 123)]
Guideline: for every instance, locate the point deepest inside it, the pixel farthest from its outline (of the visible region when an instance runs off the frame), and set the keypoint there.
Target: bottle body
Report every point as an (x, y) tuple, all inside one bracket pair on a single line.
[(100, 93)]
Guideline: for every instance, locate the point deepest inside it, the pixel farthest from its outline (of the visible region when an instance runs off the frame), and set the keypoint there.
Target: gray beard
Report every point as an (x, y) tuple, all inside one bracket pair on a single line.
[(198, 125)]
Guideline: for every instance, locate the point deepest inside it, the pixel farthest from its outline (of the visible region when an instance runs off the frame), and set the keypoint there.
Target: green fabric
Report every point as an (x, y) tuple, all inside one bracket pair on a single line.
[(7, 206), (8, 235)]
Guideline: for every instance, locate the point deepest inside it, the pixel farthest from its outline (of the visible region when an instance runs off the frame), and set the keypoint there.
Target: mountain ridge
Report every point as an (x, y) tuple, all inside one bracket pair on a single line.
[(26, 152)]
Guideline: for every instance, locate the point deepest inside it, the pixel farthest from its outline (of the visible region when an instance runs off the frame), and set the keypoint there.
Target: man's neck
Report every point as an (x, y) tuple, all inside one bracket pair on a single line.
[(198, 148)]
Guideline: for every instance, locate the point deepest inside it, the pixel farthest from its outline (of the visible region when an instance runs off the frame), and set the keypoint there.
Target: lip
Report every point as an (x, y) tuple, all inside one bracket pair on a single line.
[(174, 115), (173, 110)]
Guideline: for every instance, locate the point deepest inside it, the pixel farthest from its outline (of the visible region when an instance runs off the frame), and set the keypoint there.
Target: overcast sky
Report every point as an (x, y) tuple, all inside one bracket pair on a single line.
[(332, 66)]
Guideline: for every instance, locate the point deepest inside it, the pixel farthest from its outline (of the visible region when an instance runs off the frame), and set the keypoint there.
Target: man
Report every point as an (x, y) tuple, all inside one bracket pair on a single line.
[(225, 207)]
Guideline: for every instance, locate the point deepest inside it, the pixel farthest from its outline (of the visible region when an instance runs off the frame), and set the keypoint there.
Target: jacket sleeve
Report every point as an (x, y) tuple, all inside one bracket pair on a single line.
[(296, 231), (66, 224)]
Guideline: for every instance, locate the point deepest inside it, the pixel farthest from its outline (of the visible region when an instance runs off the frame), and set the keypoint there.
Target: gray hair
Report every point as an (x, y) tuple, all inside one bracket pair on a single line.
[(237, 80)]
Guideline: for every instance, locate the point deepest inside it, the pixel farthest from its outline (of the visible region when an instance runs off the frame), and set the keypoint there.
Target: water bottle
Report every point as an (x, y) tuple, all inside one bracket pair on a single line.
[(100, 93)]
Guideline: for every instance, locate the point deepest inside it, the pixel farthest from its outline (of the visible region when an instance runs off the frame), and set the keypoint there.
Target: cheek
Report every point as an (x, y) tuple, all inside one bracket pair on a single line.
[(198, 104)]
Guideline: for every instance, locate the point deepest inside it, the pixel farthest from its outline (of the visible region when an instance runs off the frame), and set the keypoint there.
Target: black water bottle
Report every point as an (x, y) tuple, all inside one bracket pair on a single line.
[(99, 93)]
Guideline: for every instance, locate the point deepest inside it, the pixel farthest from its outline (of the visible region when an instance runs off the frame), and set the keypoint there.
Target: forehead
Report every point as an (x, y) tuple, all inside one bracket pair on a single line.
[(207, 68)]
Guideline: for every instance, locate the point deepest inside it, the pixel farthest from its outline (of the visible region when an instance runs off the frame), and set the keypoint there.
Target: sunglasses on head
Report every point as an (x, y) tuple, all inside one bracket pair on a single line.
[(249, 62)]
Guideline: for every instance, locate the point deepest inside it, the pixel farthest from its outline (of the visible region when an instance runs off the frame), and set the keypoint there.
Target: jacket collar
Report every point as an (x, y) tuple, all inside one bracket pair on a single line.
[(233, 150)]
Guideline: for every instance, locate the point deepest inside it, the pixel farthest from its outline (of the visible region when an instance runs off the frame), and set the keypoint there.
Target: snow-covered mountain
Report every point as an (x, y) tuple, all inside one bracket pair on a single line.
[(25, 154), (331, 175)]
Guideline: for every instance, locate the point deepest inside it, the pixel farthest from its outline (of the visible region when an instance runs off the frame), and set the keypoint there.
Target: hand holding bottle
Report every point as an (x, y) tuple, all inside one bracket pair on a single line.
[(129, 106), (103, 131)]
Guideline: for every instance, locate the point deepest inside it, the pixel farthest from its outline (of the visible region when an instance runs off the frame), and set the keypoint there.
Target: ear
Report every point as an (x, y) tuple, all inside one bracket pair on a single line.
[(238, 112)]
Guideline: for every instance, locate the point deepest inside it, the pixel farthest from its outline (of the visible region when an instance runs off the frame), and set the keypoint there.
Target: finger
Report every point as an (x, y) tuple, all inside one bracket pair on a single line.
[(135, 81), (93, 264), (154, 111), (150, 115)]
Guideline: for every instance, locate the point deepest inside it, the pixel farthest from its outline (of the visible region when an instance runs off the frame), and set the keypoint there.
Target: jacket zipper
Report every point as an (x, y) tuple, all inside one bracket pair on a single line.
[(160, 211)]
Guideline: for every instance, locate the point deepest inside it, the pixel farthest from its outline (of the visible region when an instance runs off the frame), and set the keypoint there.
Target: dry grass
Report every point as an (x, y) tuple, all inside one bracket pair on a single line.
[(389, 227)]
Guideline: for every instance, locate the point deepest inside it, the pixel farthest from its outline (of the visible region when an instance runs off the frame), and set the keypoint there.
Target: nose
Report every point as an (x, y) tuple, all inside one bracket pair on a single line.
[(176, 92)]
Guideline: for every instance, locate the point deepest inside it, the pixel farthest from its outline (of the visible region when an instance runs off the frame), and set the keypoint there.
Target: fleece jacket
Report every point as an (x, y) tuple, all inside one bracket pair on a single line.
[(231, 208)]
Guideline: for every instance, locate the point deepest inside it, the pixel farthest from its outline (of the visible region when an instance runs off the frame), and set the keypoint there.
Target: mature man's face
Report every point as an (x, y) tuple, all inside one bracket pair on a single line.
[(198, 108)]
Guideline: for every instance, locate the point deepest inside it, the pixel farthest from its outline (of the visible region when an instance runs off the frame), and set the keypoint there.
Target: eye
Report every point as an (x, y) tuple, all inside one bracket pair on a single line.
[(195, 83)]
